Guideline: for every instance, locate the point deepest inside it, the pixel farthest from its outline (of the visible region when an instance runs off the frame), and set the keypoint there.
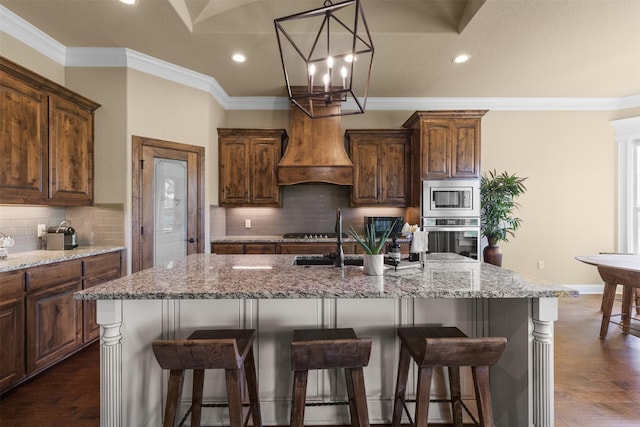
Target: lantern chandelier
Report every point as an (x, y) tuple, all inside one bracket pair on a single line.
[(332, 65)]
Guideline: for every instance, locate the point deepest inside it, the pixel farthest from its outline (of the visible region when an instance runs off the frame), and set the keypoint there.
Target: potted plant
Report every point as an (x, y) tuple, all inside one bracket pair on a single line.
[(373, 259), (497, 202)]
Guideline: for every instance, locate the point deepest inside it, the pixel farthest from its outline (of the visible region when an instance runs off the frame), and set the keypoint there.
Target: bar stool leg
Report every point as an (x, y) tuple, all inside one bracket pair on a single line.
[(357, 397), (608, 296), (252, 388), (234, 397), (299, 398), (401, 386), (454, 387), (627, 302), (422, 396), (483, 394), (196, 397), (176, 380)]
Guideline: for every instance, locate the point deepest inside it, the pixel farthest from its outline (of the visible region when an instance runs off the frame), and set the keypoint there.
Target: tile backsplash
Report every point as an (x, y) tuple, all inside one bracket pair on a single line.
[(306, 208), (97, 225)]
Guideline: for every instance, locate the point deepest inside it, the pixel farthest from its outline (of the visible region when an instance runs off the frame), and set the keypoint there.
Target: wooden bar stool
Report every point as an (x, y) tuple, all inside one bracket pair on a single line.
[(445, 346), (326, 349), (228, 349)]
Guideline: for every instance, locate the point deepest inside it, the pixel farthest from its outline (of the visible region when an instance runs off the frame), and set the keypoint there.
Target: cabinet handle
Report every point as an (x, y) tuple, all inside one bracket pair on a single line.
[(191, 240)]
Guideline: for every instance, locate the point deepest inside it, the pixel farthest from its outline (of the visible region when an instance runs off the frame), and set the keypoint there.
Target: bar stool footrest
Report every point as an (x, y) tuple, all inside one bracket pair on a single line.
[(326, 403), (464, 406), (216, 405)]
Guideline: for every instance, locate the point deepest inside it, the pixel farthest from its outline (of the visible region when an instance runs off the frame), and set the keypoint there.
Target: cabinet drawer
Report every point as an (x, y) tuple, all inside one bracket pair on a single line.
[(227, 248), (39, 277), (11, 283), (98, 264), (260, 248)]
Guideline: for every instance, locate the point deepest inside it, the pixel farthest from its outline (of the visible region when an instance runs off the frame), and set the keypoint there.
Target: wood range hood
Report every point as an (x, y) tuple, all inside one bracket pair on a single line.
[(315, 151)]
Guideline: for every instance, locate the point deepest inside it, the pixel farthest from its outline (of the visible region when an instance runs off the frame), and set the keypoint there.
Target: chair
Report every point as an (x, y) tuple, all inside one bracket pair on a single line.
[(228, 349), (430, 347), (326, 349)]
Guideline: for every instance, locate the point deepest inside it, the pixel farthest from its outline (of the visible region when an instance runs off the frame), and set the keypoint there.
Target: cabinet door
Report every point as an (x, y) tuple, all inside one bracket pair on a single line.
[(97, 269), (395, 173), (265, 154), (12, 329), (365, 155), (259, 248), (307, 248), (23, 142), (435, 149), (54, 324), (465, 149), (70, 153), (227, 248), (234, 176)]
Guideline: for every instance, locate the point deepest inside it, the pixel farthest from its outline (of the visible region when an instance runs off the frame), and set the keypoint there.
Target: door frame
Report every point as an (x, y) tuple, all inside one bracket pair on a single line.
[(138, 143)]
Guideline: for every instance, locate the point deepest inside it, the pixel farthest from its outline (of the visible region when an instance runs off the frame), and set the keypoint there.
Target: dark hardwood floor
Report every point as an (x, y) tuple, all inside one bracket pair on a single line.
[(597, 382)]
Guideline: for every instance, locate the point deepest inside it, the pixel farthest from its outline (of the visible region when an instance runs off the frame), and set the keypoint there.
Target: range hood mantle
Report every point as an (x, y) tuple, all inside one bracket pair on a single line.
[(315, 152)]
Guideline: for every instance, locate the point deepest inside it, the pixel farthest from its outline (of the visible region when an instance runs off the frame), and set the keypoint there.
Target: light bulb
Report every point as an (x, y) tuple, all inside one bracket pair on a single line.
[(348, 58), (343, 71), (312, 69), (330, 62)]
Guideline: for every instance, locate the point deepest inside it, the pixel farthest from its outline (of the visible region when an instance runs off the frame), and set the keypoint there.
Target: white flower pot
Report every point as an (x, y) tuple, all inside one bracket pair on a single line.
[(373, 264)]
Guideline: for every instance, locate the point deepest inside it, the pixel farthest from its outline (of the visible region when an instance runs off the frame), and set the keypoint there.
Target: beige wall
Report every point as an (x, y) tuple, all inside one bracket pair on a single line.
[(108, 87), (24, 55)]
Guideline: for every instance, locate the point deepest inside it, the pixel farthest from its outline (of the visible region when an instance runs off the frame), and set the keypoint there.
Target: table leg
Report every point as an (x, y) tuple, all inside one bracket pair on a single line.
[(627, 298), (608, 296), (637, 301)]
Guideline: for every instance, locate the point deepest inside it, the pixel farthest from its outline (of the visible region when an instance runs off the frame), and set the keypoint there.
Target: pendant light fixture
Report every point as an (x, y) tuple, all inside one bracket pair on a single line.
[(326, 56)]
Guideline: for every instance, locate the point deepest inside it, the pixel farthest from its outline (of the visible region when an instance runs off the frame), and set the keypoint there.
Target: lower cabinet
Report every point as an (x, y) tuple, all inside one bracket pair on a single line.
[(12, 329), (40, 321), (97, 269), (54, 324), (303, 248)]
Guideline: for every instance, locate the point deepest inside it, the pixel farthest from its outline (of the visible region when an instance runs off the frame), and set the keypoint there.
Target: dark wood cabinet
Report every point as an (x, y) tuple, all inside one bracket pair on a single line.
[(446, 144), (243, 248), (40, 321), (307, 248), (12, 329), (54, 318), (46, 141), (381, 166), (248, 159), (97, 269)]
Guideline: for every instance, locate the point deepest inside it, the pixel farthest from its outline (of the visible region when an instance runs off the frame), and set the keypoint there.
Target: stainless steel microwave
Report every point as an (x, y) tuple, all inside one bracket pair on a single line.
[(451, 198)]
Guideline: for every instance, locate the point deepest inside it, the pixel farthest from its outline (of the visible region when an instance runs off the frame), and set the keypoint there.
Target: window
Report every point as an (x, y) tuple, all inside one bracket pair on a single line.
[(628, 141)]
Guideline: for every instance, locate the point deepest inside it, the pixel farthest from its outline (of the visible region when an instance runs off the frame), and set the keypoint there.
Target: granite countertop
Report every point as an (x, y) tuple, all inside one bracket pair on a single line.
[(22, 260), (210, 276)]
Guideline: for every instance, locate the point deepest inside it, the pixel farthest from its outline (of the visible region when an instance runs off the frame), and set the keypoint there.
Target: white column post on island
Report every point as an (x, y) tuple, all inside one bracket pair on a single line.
[(109, 316)]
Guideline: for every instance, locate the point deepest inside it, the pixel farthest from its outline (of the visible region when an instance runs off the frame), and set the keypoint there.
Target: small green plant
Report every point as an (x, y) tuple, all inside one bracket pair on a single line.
[(369, 243), (497, 201)]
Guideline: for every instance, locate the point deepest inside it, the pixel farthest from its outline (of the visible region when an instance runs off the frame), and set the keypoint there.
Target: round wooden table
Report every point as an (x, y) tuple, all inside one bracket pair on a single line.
[(617, 269)]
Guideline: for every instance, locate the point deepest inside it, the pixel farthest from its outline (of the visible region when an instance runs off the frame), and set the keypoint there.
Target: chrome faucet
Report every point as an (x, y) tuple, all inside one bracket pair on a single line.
[(339, 261)]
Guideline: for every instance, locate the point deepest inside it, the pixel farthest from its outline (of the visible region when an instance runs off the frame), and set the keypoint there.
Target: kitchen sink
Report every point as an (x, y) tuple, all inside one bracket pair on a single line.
[(324, 260)]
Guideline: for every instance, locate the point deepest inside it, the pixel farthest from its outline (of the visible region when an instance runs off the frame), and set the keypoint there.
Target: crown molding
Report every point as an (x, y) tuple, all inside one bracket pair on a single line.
[(25, 32), (28, 34), (627, 129)]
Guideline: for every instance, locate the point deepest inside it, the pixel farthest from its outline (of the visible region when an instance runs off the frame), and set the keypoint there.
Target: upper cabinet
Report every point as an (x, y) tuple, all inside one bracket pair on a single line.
[(381, 166), (446, 144), (248, 160), (46, 141)]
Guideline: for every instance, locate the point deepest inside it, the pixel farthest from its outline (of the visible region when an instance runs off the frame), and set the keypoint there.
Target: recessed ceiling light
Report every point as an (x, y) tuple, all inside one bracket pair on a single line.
[(238, 57), (128, 1), (461, 58)]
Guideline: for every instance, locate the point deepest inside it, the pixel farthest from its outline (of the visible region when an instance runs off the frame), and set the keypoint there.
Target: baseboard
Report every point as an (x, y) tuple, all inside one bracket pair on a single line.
[(587, 289)]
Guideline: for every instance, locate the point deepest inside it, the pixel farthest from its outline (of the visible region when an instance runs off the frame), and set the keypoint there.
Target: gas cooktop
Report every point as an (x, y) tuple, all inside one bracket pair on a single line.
[(313, 235)]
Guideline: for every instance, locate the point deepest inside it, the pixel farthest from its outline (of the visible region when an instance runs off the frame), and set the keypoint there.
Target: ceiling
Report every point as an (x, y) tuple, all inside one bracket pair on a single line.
[(518, 48)]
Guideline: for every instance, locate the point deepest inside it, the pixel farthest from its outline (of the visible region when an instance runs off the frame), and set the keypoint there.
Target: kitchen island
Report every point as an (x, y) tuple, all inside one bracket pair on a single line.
[(273, 295)]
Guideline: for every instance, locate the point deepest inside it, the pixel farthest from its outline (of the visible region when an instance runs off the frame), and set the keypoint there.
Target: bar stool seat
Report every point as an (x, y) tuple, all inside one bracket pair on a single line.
[(313, 349), (430, 347), (228, 349)]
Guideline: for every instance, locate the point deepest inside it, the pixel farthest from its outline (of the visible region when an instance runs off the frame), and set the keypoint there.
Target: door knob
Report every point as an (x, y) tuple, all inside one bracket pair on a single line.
[(192, 240)]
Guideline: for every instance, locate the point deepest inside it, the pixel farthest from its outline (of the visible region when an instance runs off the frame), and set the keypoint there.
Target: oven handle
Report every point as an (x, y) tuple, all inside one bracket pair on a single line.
[(453, 229)]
